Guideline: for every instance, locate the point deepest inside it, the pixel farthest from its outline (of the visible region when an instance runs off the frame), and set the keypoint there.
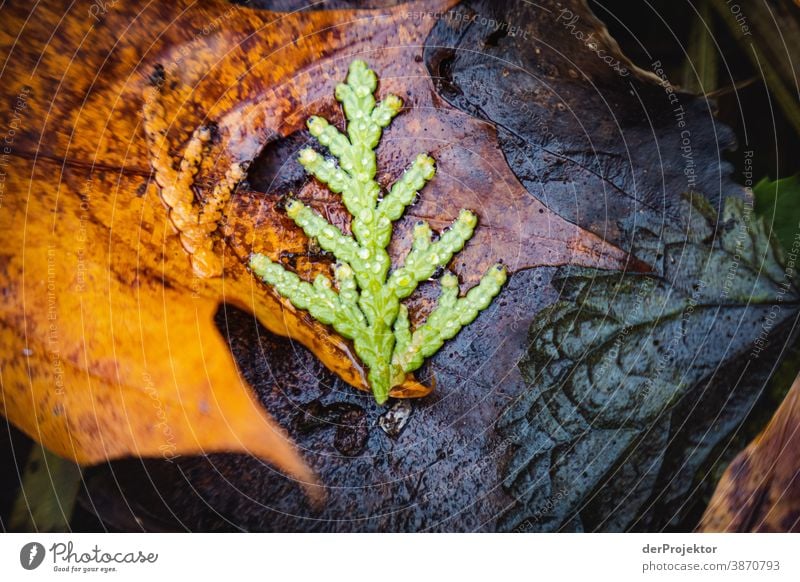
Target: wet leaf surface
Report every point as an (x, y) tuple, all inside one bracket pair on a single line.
[(531, 130), (628, 395), (102, 238), (596, 140)]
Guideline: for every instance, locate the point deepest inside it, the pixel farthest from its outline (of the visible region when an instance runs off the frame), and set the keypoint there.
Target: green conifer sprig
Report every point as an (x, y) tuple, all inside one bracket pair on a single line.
[(367, 307)]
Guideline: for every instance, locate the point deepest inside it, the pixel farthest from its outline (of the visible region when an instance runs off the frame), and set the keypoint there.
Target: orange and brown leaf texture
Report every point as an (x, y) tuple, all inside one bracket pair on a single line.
[(760, 490), (109, 347)]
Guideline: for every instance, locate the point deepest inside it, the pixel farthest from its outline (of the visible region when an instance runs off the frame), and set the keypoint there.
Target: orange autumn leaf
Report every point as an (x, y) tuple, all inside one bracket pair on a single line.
[(109, 347), (107, 350)]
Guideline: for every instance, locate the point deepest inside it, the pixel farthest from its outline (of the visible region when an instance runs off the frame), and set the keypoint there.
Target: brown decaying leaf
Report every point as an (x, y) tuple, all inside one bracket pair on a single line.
[(108, 341), (760, 490)]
